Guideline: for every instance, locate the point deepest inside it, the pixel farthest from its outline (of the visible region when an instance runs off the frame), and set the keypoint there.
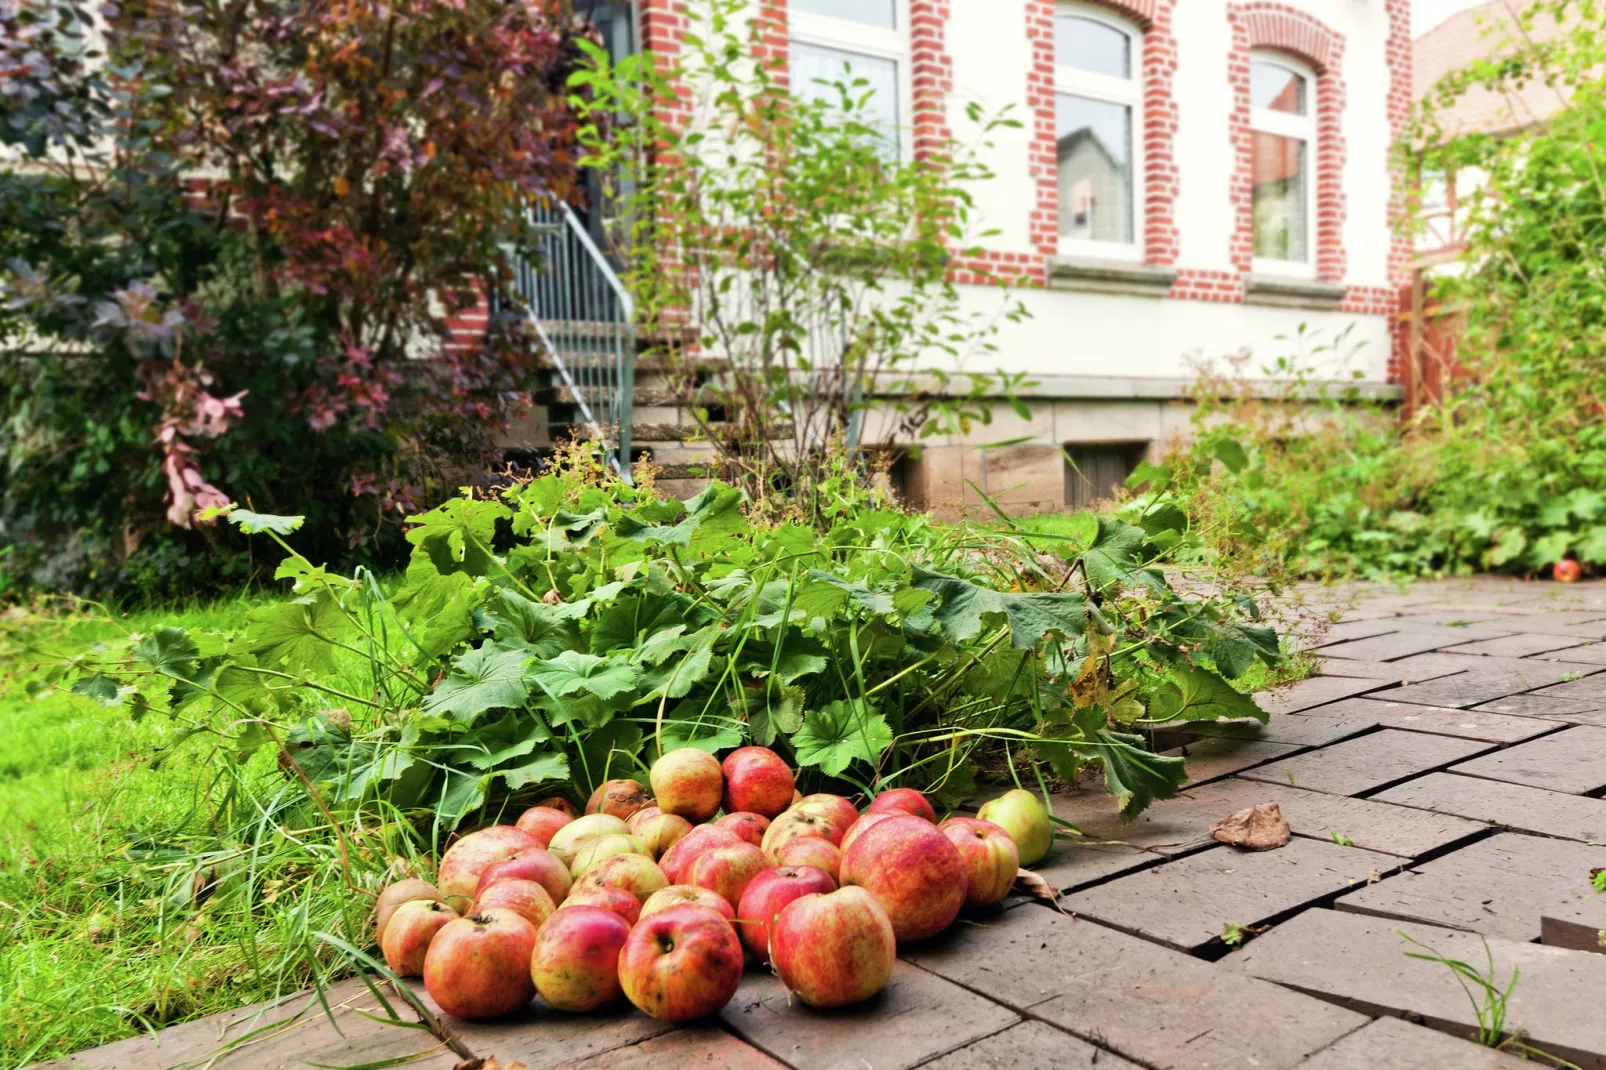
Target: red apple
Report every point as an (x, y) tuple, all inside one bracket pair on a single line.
[(394, 895), (678, 859), (727, 870), (767, 893), (679, 895), (575, 962), (688, 783), (810, 851), (636, 874), (914, 872), (558, 802), (466, 859), (407, 937), (617, 900), (799, 824), (682, 964), (834, 807), (864, 824), (1566, 570), (528, 899), (659, 832), (531, 864), (757, 780), (621, 798), (568, 840), (542, 822), (750, 827), (903, 801), (1021, 814), (834, 949), (479, 966), (990, 856)]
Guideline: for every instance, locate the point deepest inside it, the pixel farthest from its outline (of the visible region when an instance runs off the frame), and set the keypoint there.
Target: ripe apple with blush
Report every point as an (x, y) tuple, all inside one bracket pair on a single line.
[(797, 825), (676, 862), (568, 840), (914, 872), (575, 961), (479, 966), (757, 780), (834, 949), (527, 899), (903, 801), (618, 798), (558, 802), (394, 895), (1021, 814), (991, 859), (1567, 570), (863, 825), (688, 783), (593, 851), (679, 895), (658, 832), (470, 856), (636, 874), (681, 964), (767, 893), (838, 809), (542, 822), (810, 851), (727, 870), (617, 900), (532, 864), (749, 826), (407, 937)]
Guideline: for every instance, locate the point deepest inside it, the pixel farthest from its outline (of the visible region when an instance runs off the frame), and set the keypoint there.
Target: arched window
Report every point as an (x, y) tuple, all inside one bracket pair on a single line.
[(1282, 117), (841, 40), (1098, 108)]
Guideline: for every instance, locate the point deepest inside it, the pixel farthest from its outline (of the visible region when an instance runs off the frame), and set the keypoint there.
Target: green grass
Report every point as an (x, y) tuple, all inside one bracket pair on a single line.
[(101, 934)]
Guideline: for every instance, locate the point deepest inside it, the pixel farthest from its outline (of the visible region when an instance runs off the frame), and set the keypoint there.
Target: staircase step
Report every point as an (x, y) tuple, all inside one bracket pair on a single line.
[(645, 434)]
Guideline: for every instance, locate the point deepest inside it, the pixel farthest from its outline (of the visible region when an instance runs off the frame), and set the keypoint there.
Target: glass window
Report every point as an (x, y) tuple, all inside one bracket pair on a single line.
[(1276, 88), (1093, 139), (882, 14), (812, 65), (1284, 132), (1091, 45)]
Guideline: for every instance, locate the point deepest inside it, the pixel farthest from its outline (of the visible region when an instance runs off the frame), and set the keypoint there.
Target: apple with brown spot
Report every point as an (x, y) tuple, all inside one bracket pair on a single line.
[(682, 964), (479, 966), (914, 872), (727, 870), (903, 801), (834, 949), (767, 893), (810, 851), (575, 961), (797, 825), (636, 874), (532, 864), (757, 780), (617, 900), (528, 899), (749, 826), (658, 831), (618, 798), (679, 895), (407, 937), (688, 783), (394, 895), (676, 862), (542, 822), (991, 859), (470, 856), (835, 807)]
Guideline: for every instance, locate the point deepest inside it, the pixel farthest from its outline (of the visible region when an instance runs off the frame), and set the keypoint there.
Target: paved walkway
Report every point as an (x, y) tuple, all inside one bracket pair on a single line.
[(1442, 776)]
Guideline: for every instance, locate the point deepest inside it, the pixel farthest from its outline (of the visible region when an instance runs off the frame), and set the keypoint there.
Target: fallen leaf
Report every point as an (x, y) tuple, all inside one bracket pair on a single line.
[(1259, 828), (1029, 883)]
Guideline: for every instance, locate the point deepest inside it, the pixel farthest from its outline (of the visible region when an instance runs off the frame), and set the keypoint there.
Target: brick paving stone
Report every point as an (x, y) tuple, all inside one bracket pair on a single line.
[(1361, 963), (1368, 763), (1572, 760), (681, 1050), (1394, 1044), (1392, 646), (1548, 706), (1030, 1046), (1499, 886), (1520, 645), (1350, 630), (1581, 926), (1589, 689), (1211, 759), (1449, 618), (1149, 1004), (1287, 728), (1413, 669), (1438, 720), (916, 1017), (542, 1038), (1513, 806), (1184, 903), (1316, 691), (1592, 654), (1069, 867)]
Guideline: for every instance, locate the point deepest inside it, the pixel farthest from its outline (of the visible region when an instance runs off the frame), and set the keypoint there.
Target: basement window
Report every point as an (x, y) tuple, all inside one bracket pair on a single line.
[(1096, 472)]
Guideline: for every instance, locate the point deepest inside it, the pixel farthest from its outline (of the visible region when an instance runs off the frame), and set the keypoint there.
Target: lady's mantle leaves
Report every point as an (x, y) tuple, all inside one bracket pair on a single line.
[(485, 678), (1030, 616), (837, 735), (1194, 694)]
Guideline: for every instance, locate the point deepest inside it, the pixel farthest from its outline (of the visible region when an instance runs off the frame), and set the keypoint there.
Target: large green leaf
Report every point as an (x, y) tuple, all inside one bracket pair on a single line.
[(457, 536), (835, 736), (488, 677), (572, 672), (716, 510), (1115, 556), (544, 769), (170, 651), (298, 635), (1194, 694), (256, 523), (712, 735), (1031, 616), (1135, 775), (494, 744), (1235, 647), (545, 630), (462, 792)]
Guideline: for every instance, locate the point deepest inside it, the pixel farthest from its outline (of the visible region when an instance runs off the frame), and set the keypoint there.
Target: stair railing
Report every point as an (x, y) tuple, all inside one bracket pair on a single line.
[(585, 321)]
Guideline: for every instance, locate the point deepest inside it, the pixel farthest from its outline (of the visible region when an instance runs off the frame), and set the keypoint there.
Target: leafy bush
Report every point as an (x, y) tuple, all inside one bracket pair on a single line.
[(570, 630)]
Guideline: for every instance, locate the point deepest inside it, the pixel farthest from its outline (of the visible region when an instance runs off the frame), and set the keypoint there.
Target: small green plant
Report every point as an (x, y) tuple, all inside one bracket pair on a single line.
[(1236, 935), (1488, 999), (1342, 840)]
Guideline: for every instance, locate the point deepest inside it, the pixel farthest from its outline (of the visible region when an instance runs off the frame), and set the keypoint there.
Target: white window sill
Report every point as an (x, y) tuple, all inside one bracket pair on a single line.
[(1292, 291), (1110, 276)]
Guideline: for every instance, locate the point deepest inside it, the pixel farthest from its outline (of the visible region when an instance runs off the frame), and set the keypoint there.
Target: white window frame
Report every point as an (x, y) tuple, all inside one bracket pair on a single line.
[(1125, 91), (845, 35), (1302, 127)]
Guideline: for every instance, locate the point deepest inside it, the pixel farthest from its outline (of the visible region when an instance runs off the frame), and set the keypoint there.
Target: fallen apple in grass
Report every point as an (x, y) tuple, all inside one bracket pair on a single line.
[(412, 927), (835, 807), (526, 898), (636, 874), (394, 895), (757, 780), (531, 864), (810, 851), (676, 862), (797, 825), (575, 960), (617, 900), (470, 856), (688, 783), (863, 825), (479, 966), (1566, 570), (902, 801), (542, 822), (618, 798), (991, 859), (681, 964), (679, 895), (914, 872), (727, 870), (1021, 814), (834, 949), (749, 826), (767, 894)]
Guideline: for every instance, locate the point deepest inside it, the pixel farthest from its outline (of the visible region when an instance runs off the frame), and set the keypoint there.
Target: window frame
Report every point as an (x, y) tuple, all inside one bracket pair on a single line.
[(1129, 91), (845, 35), (1302, 128)]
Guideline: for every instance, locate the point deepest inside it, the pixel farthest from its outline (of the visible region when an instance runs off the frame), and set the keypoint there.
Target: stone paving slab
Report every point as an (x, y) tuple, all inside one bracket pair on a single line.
[(682, 1049), (1573, 711), (1484, 683), (1316, 691), (1368, 763), (1213, 758), (1406, 670), (543, 1038), (1391, 646), (1581, 927), (1437, 720), (1571, 761), (1185, 903), (1151, 1005), (917, 1017), (304, 1036), (1360, 963), (1500, 886), (1513, 806), (1393, 1044), (1350, 630), (1592, 654), (1520, 645), (1031, 1046), (1587, 689), (1448, 618), (1289, 728)]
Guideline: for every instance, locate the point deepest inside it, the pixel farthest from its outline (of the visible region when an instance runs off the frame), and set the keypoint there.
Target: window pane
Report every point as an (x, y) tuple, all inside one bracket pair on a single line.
[(1094, 139), (1090, 45), (812, 64), (882, 14), (1280, 197), (1277, 88)]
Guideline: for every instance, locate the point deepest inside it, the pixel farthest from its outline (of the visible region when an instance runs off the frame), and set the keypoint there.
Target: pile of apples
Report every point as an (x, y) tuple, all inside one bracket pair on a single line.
[(648, 897)]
